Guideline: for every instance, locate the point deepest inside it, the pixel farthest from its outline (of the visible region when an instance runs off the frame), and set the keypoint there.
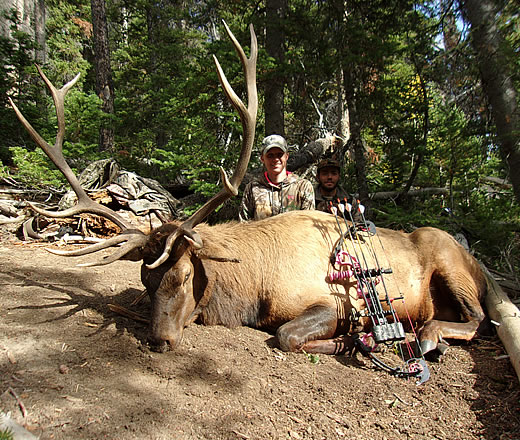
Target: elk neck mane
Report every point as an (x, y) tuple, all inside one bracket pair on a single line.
[(236, 287), (263, 253)]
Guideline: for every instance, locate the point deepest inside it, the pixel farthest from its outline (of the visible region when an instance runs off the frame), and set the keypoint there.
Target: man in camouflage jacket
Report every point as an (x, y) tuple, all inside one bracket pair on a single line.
[(276, 190)]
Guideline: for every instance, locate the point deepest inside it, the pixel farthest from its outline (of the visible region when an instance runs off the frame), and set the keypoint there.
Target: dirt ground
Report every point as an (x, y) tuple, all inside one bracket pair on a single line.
[(76, 370)]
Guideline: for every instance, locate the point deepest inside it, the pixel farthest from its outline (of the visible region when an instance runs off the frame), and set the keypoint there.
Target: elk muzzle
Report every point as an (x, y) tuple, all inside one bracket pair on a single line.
[(170, 315)]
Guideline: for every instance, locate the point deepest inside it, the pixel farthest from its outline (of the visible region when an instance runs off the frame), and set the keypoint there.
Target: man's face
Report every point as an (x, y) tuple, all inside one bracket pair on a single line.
[(328, 178), (275, 160)]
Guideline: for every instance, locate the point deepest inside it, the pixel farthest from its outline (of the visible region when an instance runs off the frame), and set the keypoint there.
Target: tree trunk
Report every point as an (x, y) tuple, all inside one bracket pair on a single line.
[(450, 32), (497, 82), (507, 315), (157, 24), (104, 85), (39, 31), (355, 143), (343, 125), (426, 129), (274, 86)]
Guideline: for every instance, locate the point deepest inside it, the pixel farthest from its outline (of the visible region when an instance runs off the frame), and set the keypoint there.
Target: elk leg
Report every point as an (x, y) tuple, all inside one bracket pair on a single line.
[(458, 293), (433, 333), (317, 322), (339, 345)]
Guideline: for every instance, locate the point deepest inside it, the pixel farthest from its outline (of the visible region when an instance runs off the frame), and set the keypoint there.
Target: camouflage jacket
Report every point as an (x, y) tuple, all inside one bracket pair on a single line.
[(323, 203), (263, 198)]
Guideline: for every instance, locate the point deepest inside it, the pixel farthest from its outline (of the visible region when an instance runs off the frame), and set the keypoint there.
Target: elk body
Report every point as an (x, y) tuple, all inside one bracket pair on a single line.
[(275, 274)]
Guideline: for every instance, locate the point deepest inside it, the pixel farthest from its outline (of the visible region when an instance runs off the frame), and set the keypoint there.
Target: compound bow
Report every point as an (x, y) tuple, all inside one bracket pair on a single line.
[(352, 262)]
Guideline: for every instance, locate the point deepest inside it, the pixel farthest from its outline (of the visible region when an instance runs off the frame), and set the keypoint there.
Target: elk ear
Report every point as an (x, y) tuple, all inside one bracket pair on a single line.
[(196, 243), (204, 284)]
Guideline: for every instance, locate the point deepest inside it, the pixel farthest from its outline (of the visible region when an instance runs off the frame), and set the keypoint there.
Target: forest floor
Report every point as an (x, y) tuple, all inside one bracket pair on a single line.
[(72, 369)]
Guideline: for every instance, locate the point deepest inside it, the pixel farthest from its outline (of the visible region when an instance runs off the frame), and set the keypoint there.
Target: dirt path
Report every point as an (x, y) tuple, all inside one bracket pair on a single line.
[(82, 372)]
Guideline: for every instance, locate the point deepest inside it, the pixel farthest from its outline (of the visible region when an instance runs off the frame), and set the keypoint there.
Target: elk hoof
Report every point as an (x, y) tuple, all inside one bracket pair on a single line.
[(433, 351)]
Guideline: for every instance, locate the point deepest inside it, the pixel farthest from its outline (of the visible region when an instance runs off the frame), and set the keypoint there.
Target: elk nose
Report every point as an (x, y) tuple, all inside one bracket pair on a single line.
[(158, 345)]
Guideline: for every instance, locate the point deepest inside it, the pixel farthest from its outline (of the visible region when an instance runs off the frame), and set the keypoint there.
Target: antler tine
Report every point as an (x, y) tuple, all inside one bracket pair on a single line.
[(247, 115), (248, 119), (129, 246), (55, 153), (131, 240), (85, 205), (58, 96), (166, 251)]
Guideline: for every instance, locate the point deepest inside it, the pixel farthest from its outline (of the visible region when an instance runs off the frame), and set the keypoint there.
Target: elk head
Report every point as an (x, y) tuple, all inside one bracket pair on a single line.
[(172, 270)]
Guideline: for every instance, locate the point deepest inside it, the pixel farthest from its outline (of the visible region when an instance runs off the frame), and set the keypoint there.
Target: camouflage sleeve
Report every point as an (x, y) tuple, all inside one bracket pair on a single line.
[(307, 194), (247, 207)]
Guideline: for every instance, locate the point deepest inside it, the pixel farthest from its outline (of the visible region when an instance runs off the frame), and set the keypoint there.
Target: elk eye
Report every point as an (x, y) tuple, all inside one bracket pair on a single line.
[(186, 278)]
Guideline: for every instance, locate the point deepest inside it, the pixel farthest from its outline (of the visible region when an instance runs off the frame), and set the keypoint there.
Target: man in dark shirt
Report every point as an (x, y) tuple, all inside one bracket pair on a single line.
[(328, 191)]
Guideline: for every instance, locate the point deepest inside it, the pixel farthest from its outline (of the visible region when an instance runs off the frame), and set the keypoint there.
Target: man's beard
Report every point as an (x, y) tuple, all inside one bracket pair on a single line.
[(327, 190)]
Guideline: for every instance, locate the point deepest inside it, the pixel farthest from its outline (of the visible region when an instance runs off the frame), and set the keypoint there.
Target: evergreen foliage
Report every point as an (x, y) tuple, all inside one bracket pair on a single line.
[(6, 435), (15, 74), (406, 65)]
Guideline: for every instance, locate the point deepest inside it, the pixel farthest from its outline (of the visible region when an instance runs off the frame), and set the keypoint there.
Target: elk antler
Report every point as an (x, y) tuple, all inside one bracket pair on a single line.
[(132, 237), (248, 118), (55, 153)]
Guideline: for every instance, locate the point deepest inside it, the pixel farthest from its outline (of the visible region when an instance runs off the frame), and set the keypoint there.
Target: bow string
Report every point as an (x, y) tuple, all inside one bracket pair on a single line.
[(361, 263)]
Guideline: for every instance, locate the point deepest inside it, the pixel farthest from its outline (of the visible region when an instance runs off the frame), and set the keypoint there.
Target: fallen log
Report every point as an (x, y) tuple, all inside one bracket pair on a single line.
[(123, 311), (506, 314), (383, 195)]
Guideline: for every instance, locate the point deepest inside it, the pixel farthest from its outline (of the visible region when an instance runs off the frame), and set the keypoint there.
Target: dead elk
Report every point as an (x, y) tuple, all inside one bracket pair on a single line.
[(274, 274)]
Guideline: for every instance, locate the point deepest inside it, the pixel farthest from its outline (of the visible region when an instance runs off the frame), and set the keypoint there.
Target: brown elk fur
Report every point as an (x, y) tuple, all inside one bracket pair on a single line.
[(274, 273)]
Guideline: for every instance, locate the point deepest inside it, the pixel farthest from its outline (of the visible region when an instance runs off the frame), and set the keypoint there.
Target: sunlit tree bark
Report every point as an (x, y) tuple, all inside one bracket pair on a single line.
[(497, 82), (104, 85)]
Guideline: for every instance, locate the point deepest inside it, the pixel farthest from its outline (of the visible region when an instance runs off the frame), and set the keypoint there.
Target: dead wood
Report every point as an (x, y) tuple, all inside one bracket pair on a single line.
[(309, 154), (123, 311), (506, 314), (18, 401), (412, 193), (498, 181), (508, 282), (139, 298)]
